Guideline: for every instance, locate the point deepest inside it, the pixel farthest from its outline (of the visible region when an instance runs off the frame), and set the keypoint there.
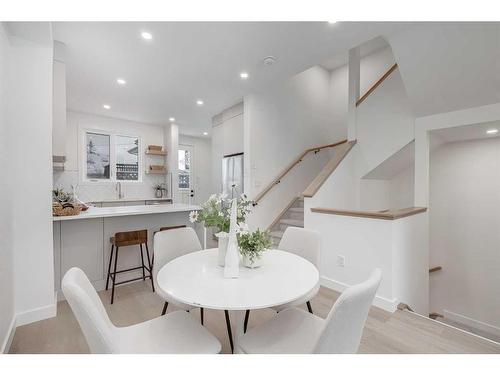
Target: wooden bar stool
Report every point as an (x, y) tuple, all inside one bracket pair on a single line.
[(120, 239)]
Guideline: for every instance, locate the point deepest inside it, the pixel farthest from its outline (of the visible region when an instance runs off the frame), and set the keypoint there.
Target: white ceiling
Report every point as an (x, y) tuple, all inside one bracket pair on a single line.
[(449, 66), (466, 132), (191, 60)]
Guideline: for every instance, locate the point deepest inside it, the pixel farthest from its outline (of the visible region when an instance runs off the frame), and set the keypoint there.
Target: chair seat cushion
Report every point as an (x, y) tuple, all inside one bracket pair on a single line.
[(292, 331), (176, 333)]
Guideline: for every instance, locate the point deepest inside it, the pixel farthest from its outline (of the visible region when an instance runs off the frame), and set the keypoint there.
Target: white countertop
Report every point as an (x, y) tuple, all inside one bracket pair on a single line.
[(127, 199), (99, 212)]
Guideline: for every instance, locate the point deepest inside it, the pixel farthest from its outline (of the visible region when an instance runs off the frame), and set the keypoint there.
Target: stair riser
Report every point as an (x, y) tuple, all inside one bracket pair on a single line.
[(283, 227), (294, 215)]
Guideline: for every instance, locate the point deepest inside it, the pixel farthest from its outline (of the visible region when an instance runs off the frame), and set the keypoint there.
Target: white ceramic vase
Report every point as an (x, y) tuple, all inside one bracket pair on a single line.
[(223, 239), (257, 262)]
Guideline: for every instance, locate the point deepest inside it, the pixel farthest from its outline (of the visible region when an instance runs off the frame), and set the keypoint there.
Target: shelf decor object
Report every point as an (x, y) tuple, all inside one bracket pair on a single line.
[(155, 150), (154, 167)]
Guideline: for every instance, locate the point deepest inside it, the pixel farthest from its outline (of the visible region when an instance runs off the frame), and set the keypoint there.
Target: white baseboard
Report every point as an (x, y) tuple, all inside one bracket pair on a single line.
[(473, 323), (40, 313), (379, 301), (8, 338)]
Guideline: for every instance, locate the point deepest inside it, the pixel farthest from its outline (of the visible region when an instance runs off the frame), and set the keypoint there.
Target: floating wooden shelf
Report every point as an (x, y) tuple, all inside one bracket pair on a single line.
[(154, 152), (149, 171)]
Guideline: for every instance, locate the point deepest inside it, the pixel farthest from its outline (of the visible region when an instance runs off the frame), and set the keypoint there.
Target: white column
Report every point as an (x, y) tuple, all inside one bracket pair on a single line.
[(353, 91), (422, 160), (171, 142)]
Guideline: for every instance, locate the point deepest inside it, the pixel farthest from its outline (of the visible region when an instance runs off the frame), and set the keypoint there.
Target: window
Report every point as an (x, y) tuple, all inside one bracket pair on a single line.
[(98, 153), (111, 157), (127, 158), (184, 169)]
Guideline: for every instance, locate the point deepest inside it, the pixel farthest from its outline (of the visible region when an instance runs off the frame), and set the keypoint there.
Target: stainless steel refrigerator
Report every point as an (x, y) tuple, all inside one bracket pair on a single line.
[(232, 175)]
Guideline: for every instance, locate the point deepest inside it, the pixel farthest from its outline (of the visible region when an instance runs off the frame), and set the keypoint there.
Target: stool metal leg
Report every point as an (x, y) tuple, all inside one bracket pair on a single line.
[(150, 268), (201, 315), (114, 277), (109, 265), (229, 333), (142, 262)]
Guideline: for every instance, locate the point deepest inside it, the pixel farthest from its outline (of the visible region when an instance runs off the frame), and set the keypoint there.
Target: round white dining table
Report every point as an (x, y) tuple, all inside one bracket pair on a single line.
[(196, 279)]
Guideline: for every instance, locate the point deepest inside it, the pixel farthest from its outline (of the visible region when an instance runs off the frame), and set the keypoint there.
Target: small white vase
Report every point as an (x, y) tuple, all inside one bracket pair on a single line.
[(257, 262), (223, 238)]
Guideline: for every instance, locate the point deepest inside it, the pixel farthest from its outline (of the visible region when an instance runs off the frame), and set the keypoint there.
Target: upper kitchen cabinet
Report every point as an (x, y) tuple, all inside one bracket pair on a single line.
[(59, 107)]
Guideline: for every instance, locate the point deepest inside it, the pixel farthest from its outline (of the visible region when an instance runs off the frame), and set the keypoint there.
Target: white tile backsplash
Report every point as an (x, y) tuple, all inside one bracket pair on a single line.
[(100, 192)]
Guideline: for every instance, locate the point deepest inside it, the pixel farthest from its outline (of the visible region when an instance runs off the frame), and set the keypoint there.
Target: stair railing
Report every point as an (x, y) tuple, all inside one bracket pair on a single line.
[(290, 167)]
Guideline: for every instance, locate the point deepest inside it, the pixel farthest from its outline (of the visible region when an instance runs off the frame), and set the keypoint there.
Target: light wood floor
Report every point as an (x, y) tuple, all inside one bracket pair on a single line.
[(401, 332)]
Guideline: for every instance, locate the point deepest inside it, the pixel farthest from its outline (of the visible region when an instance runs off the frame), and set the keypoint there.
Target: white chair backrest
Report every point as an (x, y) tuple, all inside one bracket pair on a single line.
[(89, 311), (171, 244), (305, 243), (347, 318)]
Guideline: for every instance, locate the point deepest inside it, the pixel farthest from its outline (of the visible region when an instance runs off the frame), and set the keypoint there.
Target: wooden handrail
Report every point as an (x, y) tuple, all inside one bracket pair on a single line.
[(334, 162), (434, 269), (376, 84), (296, 161), (383, 215)]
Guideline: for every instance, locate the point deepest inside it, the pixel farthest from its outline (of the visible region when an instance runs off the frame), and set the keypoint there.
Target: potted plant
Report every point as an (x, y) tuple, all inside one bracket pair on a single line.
[(252, 246), (215, 213), (158, 190)]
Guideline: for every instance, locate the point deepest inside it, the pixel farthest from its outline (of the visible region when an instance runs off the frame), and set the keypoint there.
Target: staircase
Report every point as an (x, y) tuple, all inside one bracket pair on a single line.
[(292, 216)]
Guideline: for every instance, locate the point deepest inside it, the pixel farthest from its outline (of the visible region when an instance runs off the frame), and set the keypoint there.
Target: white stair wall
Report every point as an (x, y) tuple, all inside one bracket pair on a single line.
[(294, 217)]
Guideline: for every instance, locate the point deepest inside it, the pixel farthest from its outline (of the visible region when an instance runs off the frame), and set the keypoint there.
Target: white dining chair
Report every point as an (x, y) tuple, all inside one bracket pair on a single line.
[(305, 243), (294, 331), (171, 244), (175, 333), (168, 245)]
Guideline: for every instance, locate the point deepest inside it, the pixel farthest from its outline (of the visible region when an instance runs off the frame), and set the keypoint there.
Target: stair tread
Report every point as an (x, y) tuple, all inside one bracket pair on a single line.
[(296, 209), (294, 222), (276, 233)]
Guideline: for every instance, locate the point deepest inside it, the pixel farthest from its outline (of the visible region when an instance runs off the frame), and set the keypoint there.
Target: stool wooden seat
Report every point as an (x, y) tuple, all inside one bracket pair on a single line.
[(131, 238)]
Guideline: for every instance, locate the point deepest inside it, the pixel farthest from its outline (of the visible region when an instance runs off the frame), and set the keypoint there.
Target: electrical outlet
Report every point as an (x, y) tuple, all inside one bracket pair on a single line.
[(340, 260)]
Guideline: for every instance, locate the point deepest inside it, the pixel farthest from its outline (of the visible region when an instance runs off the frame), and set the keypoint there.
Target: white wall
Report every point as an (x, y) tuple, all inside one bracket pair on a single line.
[(285, 121), (384, 125), (7, 311), (202, 166), (30, 154), (280, 125), (77, 123), (227, 139), (372, 67), (392, 246), (464, 235)]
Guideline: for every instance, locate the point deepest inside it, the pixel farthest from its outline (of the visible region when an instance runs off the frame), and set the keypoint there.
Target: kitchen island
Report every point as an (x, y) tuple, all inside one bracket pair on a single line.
[(84, 240)]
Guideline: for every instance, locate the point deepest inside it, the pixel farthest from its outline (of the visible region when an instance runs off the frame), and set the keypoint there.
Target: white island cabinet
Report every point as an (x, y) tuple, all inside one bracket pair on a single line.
[(84, 240)]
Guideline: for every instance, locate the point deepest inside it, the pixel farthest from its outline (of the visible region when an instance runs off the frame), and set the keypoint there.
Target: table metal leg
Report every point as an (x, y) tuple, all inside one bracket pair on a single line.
[(237, 322)]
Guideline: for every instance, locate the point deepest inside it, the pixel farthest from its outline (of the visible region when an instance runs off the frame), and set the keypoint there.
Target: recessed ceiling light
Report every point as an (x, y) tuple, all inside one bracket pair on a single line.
[(492, 131), (106, 106), (243, 75), (332, 22), (146, 35), (121, 81), (171, 119), (205, 133), (199, 102)]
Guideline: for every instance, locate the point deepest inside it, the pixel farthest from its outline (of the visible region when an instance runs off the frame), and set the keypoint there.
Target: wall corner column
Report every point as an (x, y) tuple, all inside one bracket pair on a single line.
[(353, 91)]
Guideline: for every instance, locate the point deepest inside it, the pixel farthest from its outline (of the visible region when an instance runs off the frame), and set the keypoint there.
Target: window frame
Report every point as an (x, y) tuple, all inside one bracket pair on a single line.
[(82, 163), (181, 147)]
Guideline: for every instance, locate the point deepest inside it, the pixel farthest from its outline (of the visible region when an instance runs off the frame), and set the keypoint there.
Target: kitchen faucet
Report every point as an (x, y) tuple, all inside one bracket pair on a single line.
[(118, 188)]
